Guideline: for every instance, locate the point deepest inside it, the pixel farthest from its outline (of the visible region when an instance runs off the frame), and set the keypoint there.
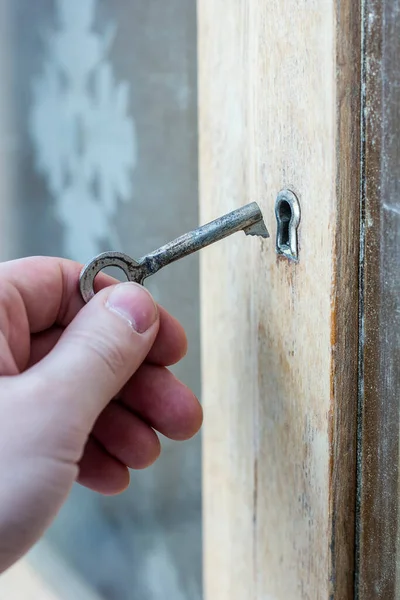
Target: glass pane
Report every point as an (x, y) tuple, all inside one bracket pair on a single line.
[(99, 151)]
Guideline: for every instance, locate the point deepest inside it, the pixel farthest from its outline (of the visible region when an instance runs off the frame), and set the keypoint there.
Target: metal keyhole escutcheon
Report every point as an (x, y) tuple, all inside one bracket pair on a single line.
[(287, 212)]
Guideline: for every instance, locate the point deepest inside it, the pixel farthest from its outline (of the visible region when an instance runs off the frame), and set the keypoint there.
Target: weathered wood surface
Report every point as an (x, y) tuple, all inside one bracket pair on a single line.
[(378, 530), (279, 107)]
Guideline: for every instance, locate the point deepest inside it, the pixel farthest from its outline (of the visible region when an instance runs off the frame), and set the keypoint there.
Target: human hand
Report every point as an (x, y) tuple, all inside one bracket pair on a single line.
[(82, 389)]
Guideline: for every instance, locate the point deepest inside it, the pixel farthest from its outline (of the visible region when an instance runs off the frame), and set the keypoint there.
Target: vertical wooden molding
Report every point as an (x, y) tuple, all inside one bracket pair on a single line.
[(378, 529), (279, 89), (345, 325)]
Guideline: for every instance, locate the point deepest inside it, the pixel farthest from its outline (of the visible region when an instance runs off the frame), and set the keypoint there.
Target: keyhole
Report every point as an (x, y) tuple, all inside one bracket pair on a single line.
[(287, 212), (285, 215)]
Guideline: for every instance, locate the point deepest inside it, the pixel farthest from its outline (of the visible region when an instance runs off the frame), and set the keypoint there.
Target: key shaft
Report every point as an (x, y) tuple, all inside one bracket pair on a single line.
[(247, 218)]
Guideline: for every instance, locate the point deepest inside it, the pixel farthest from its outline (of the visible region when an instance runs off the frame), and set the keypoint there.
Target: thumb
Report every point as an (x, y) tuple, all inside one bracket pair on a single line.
[(99, 351)]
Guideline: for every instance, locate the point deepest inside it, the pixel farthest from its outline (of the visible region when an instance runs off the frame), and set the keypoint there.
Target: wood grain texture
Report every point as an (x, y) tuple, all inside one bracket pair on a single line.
[(279, 107), (378, 528)]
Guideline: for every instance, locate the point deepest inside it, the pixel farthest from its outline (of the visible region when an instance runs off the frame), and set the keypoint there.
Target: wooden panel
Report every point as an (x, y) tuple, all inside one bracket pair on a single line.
[(378, 530), (279, 107)]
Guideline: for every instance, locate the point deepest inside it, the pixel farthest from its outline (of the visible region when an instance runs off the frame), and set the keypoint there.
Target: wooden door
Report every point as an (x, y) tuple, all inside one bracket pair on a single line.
[(279, 106), (301, 358)]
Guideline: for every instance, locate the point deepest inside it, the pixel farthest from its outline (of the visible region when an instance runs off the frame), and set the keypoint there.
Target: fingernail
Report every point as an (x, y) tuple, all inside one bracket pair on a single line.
[(132, 302)]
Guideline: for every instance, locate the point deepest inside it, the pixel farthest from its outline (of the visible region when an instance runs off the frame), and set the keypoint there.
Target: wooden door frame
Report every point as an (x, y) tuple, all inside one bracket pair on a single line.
[(379, 392)]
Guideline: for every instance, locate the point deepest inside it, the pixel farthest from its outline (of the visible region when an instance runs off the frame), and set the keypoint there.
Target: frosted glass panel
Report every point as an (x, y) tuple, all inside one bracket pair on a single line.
[(99, 151)]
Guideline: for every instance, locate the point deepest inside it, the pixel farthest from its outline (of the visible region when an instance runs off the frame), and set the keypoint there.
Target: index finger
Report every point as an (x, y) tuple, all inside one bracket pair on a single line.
[(49, 288)]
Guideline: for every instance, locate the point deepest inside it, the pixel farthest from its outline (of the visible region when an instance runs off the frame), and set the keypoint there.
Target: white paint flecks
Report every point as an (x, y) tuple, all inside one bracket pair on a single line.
[(83, 135)]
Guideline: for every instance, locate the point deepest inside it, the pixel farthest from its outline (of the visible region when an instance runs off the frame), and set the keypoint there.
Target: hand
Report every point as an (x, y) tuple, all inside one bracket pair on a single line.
[(82, 389)]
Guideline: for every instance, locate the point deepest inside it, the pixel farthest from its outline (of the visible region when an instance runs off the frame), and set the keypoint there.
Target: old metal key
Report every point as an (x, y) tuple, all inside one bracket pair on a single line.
[(248, 218)]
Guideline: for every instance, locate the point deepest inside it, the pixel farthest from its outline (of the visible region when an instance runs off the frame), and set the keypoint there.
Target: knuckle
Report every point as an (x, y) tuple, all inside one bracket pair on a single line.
[(109, 351), (112, 356), (101, 347)]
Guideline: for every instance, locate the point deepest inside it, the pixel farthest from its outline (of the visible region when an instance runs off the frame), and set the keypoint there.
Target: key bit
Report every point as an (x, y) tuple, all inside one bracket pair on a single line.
[(247, 218)]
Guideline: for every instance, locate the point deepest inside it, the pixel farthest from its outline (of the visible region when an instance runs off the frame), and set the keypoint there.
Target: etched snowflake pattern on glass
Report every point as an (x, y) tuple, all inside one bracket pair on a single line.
[(83, 136)]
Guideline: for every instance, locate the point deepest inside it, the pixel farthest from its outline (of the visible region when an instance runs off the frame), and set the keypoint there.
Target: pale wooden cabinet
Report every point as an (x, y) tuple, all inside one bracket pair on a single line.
[(301, 369)]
